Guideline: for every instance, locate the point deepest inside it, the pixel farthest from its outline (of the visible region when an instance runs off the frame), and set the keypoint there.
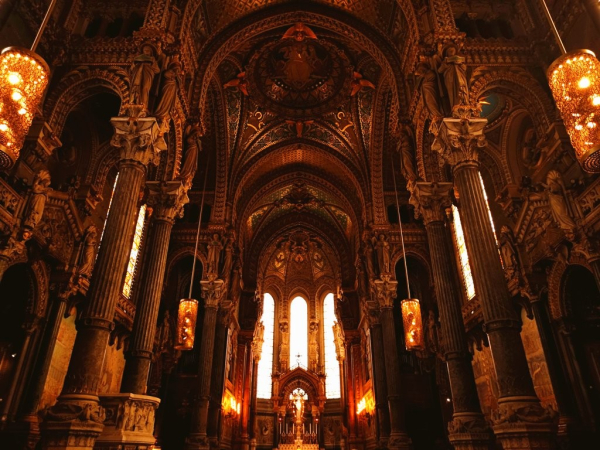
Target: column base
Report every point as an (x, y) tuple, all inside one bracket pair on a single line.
[(129, 422), (399, 441), (468, 431), (73, 423), (522, 424)]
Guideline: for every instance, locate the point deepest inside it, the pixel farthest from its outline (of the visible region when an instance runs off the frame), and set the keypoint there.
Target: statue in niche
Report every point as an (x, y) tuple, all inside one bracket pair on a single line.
[(454, 72), (168, 91), (313, 346), (214, 252), (561, 210), (236, 281), (361, 281), (530, 153), (406, 146), (141, 75), (190, 161), (382, 248), (368, 255), (227, 256), (432, 335), (428, 86), (88, 256), (508, 251), (284, 346), (162, 340), (37, 201)]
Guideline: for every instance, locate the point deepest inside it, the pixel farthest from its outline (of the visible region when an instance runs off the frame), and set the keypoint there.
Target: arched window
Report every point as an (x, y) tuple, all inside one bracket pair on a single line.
[(135, 250), (299, 333), (461, 245), (332, 371), (265, 365)]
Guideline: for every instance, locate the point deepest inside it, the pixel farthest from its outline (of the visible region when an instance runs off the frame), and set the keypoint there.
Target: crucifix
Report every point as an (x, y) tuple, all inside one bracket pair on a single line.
[(298, 356)]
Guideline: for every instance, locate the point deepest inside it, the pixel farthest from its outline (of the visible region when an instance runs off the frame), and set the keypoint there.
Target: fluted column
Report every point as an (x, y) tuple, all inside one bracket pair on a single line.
[(212, 292), (77, 411), (468, 429), (166, 200), (384, 292), (520, 422)]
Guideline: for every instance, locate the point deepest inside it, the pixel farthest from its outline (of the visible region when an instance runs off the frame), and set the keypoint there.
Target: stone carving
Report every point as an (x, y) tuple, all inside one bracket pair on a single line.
[(68, 412), (190, 161), (37, 200), (284, 348), (432, 334), (164, 335), (169, 89), (338, 336), (561, 209), (510, 256), (368, 256), (313, 346), (428, 86), (361, 280), (214, 248), (141, 74), (88, 255), (454, 71), (382, 248), (228, 251), (406, 148)]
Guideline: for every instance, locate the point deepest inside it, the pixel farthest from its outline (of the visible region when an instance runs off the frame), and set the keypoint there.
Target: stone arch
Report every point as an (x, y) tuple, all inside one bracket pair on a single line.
[(558, 308), (177, 255)]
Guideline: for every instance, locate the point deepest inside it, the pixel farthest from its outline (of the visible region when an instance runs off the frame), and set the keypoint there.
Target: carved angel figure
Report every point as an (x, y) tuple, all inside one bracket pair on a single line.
[(37, 201), (561, 210), (427, 84), (168, 92), (454, 71), (142, 72), (88, 256)]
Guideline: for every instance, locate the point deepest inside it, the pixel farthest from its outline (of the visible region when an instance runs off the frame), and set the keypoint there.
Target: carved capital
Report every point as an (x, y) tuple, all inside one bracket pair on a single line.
[(430, 201), (136, 137), (458, 140), (384, 292), (212, 292), (166, 198), (40, 143)]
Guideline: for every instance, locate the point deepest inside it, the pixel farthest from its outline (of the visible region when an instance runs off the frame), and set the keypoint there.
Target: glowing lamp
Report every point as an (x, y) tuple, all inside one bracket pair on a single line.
[(186, 323), (23, 80), (574, 79), (413, 326)]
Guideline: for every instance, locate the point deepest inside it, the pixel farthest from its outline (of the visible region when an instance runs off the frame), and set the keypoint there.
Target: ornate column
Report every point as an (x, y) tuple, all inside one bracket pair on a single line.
[(246, 342), (468, 429), (77, 418), (520, 422), (384, 292), (166, 200), (212, 291), (379, 376)]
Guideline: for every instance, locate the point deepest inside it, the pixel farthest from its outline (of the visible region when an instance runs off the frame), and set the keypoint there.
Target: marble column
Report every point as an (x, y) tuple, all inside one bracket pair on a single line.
[(212, 291), (246, 341), (520, 422), (76, 420), (384, 291), (468, 429), (379, 375), (166, 200), (217, 385)]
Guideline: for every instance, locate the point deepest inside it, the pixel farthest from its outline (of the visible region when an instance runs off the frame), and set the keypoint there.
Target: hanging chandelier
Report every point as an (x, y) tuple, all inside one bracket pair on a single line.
[(23, 79), (410, 307), (574, 79), (187, 313)]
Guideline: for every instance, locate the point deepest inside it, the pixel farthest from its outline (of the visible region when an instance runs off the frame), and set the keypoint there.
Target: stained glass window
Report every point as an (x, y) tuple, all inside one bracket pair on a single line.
[(135, 249), (265, 365), (299, 333), (332, 370)]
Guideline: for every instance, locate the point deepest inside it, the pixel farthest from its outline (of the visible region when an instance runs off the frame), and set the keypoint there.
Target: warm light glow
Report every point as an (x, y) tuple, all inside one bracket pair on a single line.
[(264, 382), (135, 250), (413, 326), (463, 256), (186, 323), (25, 69), (332, 367), (299, 333), (366, 405), (574, 79)]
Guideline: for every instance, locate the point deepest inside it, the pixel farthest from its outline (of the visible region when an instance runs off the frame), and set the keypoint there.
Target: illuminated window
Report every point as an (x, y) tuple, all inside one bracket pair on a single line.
[(461, 245), (332, 371), (135, 250), (112, 194), (265, 365), (299, 333)]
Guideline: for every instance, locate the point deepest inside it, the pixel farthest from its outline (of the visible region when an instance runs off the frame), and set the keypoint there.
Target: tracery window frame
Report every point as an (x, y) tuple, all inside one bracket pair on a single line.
[(330, 363), (303, 337)]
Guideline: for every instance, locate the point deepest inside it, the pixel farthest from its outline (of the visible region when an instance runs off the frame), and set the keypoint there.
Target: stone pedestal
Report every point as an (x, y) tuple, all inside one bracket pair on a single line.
[(468, 429), (76, 420), (520, 422), (129, 422)]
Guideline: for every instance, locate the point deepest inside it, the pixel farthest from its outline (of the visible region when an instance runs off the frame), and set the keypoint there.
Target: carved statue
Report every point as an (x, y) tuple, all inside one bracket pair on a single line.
[(284, 349), (227, 257), (162, 339), (382, 248), (37, 201), (561, 210), (454, 71), (142, 72), (313, 346), (406, 146), (190, 161), (168, 92), (235, 288), (530, 153), (88, 256), (368, 255), (361, 281), (214, 252), (427, 84), (432, 335), (508, 251)]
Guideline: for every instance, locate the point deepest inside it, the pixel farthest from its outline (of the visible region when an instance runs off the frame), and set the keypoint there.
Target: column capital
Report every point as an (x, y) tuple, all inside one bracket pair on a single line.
[(430, 200), (384, 292), (136, 137), (458, 140), (166, 198), (212, 291)]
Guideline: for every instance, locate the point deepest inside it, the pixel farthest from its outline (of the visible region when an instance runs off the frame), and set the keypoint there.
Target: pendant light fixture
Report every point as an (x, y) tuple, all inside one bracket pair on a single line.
[(23, 79), (411, 308), (574, 80), (187, 313)]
